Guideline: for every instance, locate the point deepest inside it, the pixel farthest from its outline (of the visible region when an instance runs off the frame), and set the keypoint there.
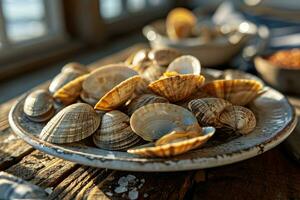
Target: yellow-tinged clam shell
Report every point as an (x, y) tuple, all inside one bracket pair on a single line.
[(238, 119), (119, 95), (163, 56), (208, 110), (70, 92), (153, 121), (177, 88), (103, 79), (176, 146), (180, 23), (71, 124), (185, 65), (39, 106), (142, 87), (115, 132), (143, 100), (238, 91)]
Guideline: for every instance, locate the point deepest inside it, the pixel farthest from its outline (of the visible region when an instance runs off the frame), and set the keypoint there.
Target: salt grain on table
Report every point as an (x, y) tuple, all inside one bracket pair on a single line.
[(130, 177), (120, 189), (133, 194), (123, 181), (146, 195), (109, 194)]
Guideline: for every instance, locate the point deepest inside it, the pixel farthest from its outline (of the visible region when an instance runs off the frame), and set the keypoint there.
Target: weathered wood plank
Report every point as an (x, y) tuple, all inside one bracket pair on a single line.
[(268, 176)]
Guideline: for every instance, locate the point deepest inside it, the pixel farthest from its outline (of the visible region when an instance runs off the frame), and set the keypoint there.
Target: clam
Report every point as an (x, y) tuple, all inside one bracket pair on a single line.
[(175, 143), (238, 91), (39, 106), (119, 95), (115, 132), (185, 65), (103, 79), (238, 119), (87, 99), (163, 57), (231, 74), (143, 100), (73, 66), (62, 79), (208, 110), (142, 87), (177, 88), (180, 23), (153, 121), (153, 72), (71, 124), (70, 92), (140, 57)]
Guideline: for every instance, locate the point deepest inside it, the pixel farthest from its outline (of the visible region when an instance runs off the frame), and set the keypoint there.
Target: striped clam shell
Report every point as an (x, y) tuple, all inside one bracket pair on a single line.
[(238, 91), (208, 110), (12, 187), (143, 100), (177, 88), (39, 106), (71, 124), (163, 56), (119, 95), (153, 121), (176, 147), (185, 65), (87, 99), (70, 92), (105, 78), (115, 132), (238, 119)]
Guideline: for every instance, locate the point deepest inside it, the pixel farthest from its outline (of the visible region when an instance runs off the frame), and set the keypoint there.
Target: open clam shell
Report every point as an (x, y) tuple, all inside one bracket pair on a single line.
[(70, 92), (177, 88), (180, 23), (153, 121), (74, 66), (71, 124), (238, 91), (62, 79), (164, 56), (180, 146), (115, 132), (238, 119), (143, 100), (208, 110), (153, 72), (102, 80), (39, 106), (185, 65), (119, 95)]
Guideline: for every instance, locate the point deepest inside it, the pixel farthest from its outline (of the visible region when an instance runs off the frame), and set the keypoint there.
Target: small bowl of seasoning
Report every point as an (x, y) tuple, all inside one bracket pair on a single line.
[(281, 70)]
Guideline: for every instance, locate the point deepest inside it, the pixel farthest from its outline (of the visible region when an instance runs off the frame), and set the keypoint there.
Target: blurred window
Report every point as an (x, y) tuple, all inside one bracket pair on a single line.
[(114, 10)]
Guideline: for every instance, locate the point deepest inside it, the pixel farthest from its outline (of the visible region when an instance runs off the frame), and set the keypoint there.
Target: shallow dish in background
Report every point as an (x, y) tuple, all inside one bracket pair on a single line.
[(215, 52), (282, 78)]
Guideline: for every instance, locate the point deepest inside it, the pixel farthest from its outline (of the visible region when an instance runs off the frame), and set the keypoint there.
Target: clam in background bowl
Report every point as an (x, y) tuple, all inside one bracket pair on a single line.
[(281, 78), (210, 53)]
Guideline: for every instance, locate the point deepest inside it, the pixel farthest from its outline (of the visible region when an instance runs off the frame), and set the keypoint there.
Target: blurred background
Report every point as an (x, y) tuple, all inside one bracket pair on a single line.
[(37, 37)]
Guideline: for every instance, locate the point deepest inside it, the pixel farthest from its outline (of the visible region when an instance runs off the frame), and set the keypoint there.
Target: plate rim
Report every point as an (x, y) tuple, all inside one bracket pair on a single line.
[(152, 166)]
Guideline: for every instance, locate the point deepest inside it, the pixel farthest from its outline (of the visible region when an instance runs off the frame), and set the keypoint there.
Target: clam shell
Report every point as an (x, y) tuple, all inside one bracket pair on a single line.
[(12, 187), (39, 106), (70, 92), (180, 23), (142, 87), (87, 99), (163, 57), (74, 66), (177, 88), (208, 110), (71, 124), (62, 79), (115, 132), (119, 95), (153, 121), (153, 73), (143, 100), (176, 147), (231, 74), (238, 119), (140, 57), (185, 65), (103, 79), (238, 91)]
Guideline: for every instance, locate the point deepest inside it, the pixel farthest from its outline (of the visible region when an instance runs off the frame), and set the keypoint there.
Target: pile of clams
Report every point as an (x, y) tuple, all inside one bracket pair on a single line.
[(155, 104)]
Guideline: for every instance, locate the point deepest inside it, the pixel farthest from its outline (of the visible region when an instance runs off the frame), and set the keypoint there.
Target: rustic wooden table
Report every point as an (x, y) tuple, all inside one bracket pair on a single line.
[(272, 175)]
